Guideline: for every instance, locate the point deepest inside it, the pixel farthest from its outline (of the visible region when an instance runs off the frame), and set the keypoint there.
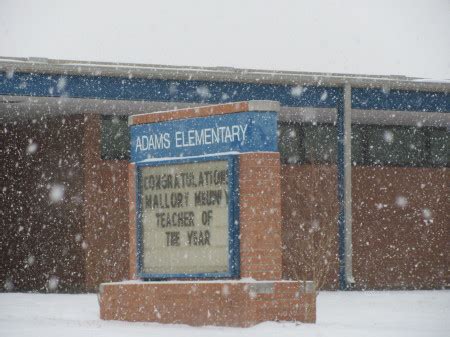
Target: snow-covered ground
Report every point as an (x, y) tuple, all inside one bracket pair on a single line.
[(340, 314)]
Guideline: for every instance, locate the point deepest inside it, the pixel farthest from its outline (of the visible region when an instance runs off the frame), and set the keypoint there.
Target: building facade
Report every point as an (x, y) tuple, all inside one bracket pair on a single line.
[(64, 155)]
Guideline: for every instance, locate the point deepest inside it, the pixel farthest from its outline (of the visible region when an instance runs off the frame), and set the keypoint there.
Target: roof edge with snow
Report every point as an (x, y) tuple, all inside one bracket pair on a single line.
[(131, 70)]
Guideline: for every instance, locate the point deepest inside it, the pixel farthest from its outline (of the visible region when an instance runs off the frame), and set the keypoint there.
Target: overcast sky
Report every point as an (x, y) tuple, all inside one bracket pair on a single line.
[(402, 37)]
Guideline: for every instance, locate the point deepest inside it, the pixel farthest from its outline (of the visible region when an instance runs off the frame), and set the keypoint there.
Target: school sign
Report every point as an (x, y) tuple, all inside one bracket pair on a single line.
[(187, 191)]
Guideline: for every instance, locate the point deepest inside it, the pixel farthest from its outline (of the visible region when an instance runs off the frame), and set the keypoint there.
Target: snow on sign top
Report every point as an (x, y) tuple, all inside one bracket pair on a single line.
[(205, 131)]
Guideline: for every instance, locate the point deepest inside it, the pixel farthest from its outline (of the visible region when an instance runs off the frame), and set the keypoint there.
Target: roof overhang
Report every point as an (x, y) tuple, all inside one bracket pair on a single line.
[(129, 70)]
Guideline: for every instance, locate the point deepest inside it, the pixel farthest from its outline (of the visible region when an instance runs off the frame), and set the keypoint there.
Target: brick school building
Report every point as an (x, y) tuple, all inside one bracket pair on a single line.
[(363, 167)]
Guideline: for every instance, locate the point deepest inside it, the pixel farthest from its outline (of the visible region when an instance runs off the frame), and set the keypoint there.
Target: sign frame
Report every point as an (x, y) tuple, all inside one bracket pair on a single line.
[(233, 219)]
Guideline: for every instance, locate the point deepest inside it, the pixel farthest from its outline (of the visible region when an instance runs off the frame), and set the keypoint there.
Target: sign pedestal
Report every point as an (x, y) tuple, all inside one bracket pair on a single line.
[(199, 294)]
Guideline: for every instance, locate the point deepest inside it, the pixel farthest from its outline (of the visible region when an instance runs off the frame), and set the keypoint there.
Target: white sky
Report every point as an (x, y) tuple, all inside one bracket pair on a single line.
[(355, 36)]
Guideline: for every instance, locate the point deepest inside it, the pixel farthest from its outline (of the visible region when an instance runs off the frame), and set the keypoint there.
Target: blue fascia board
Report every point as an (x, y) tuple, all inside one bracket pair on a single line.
[(211, 92), (215, 92), (400, 100)]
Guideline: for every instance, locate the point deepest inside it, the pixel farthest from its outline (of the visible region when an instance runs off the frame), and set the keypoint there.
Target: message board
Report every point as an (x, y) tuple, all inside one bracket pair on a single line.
[(187, 224)]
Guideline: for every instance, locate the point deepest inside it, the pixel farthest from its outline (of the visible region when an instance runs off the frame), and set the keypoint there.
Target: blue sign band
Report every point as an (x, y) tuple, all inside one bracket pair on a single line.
[(237, 132)]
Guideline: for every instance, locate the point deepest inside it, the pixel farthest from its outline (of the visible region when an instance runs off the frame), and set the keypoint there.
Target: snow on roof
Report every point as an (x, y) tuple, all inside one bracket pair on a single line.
[(70, 67)]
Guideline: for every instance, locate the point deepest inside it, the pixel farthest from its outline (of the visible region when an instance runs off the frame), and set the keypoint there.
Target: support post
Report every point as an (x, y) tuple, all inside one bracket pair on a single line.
[(348, 184), (344, 189)]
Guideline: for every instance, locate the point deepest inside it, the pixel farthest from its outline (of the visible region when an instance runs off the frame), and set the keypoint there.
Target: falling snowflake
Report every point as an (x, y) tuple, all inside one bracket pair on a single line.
[(9, 74), (401, 201), (31, 259), (52, 283), (388, 136), (32, 147), (203, 92), (426, 213), (297, 91), (56, 193), (173, 89), (61, 85), (8, 285), (225, 290)]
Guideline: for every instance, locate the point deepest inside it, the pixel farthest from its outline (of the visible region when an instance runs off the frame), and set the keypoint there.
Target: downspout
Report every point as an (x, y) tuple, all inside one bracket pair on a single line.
[(349, 280), (344, 173)]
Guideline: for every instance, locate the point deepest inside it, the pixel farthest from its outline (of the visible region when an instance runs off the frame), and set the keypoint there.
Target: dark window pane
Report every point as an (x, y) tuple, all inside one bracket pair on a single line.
[(358, 144), (289, 143), (320, 143), (439, 147), (403, 146), (115, 138)]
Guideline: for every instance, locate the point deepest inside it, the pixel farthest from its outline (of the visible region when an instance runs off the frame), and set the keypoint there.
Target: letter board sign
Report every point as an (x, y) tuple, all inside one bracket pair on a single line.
[(187, 218)]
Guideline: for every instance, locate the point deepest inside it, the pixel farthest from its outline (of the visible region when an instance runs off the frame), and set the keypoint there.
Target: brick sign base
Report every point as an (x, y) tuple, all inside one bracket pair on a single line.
[(224, 303)]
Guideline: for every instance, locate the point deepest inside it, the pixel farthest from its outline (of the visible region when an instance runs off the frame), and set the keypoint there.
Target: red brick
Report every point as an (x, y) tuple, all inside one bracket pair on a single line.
[(132, 220), (173, 303), (204, 111)]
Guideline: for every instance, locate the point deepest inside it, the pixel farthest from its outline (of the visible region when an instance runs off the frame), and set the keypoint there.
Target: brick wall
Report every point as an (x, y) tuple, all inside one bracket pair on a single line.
[(42, 225), (394, 246), (260, 215), (105, 211)]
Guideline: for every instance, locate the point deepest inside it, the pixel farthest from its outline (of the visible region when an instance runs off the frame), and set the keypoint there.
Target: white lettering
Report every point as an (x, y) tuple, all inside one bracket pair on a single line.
[(166, 140), (207, 138), (228, 137), (153, 142), (193, 137), (178, 139), (138, 144), (199, 137), (215, 135), (244, 130), (235, 132)]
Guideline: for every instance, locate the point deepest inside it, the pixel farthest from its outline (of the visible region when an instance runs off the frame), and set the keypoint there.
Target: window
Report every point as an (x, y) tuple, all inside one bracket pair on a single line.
[(320, 143), (359, 144), (289, 143), (307, 143), (439, 147), (115, 138), (371, 145), (393, 145)]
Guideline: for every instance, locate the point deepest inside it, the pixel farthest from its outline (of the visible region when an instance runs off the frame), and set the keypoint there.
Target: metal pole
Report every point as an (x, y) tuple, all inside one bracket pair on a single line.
[(348, 185), (344, 189)]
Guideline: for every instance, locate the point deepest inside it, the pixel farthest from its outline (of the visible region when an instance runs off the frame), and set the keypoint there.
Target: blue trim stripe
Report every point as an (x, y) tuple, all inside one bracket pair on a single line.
[(214, 92), (102, 87), (401, 100)]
